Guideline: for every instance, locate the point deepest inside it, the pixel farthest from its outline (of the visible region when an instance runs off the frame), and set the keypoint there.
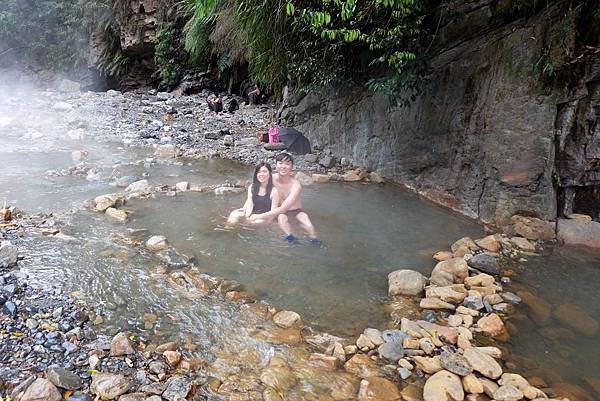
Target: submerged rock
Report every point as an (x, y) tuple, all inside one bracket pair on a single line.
[(406, 282), (574, 316)]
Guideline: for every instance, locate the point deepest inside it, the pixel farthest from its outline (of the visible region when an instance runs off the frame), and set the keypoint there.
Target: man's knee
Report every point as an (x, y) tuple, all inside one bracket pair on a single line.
[(282, 218)]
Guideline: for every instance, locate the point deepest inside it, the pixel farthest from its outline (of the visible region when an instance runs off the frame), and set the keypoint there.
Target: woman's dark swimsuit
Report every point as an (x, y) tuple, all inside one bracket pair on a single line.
[(262, 204)]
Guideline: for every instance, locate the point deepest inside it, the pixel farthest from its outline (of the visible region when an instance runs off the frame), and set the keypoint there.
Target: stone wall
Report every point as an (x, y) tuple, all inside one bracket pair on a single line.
[(485, 137)]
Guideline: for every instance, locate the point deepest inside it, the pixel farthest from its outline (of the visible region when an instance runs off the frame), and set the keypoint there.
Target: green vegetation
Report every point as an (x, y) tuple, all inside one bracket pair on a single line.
[(166, 55)]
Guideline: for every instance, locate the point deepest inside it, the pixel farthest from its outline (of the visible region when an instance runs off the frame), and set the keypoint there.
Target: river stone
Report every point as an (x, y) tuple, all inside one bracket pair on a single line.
[(103, 202), (133, 397), (511, 298), (8, 254), (327, 161), (391, 351), (375, 177), (378, 389), (523, 244), (521, 383), (126, 180), (120, 345), (406, 282), (492, 325), (446, 294), (278, 375), (141, 186), (485, 262), (541, 310), (393, 336), (455, 363), (480, 280), (483, 363), (533, 228), (463, 246), (275, 146), (351, 176), (374, 336), (167, 150), (41, 390), (79, 396), (489, 243), (63, 378), (428, 365), (508, 393), (320, 178), (449, 272), (287, 319), (362, 366), (172, 357), (182, 186), (443, 386), (472, 384), (177, 389), (228, 140), (574, 316), (108, 385), (116, 214), (157, 243), (435, 304)]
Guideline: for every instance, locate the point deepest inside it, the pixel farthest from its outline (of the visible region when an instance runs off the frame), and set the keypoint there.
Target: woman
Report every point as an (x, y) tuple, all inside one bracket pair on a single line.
[(262, 196)]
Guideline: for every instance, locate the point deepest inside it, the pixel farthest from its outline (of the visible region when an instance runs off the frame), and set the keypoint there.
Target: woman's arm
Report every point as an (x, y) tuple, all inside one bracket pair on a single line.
[(249, 204)]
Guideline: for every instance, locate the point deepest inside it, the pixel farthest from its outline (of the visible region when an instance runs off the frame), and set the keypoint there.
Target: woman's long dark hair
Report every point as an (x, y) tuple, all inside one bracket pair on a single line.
[(256, 183)]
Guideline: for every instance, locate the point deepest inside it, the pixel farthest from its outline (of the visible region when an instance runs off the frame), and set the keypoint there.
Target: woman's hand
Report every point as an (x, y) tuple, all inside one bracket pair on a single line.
[(255, 217)]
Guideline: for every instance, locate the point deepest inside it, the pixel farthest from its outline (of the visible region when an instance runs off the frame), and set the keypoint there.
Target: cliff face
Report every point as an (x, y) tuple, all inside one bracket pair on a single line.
[(488, 137)]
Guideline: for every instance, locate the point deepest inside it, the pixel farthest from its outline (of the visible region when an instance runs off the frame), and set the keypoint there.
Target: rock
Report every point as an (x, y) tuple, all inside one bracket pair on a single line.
[(577, 318), (494, 352), (378, 389), (311, 157), (391, 351), (374, 336), (362, 366), (508, 393), (133, 397), (364, 343), (483, 363), (140, 187), (435, 304), (126, 180), (406, 282), (480, 280), (540, 310), (79, 396), (579, 217), (455, 363), (327, 161), (170, 346), (120, 345), (446, 294), (172, 357), (468, 311), (455, 320), (41, 390), (275, 146), (485, 262), (428, 365), (63, 378), (511, 298), (472, 384), (473, 302), (182, 186), (304, 179), (463, 246), (104, 202), (523, 244), (533, 228), (449, 272), (579, 232), (426, 344), (278, 375), (116, 214), (228, 140), (351, 176), (287, 319), (376, 178), (157, 243), (489, 243), (393, 336), (108, 385), (443, 255), (518, 381), (492, 326), (443, 386), (327, 362), (489, 386), (412, 392), (167, 150), (8, 254), (66, 85), (320, 178), (177, 389)]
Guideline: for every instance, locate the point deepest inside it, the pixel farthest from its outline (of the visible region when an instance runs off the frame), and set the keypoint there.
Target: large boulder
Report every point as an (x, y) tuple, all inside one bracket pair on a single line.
[(483, 363), (578, 232), (406, 282), (443, 386), (451, 271), (485, 262), (534, 228), (8, 254)]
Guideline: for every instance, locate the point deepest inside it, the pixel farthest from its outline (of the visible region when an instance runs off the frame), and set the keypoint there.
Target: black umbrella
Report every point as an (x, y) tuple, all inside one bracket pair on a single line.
[(294, 141)]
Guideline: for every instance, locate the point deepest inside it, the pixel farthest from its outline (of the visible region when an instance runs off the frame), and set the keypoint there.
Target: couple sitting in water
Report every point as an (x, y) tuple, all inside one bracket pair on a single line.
[(275, 195)]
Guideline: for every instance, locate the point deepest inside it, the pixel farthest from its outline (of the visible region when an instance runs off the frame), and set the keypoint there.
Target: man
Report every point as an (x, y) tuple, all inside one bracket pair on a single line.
[(289, 190)]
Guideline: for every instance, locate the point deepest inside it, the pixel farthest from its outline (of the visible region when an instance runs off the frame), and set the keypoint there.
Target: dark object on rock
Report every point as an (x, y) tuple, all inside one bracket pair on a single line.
[(275, 146), (295, 141), (484, 262), (215, 103), (232, 105), (193, 83), (327, 161)]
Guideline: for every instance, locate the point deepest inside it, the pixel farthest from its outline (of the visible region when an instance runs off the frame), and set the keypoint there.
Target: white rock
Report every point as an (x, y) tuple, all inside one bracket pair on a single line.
[(157, 243)]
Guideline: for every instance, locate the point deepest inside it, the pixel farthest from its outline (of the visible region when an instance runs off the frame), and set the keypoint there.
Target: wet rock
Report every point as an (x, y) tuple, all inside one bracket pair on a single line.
[(463, 246), (324, 361), (41, 390), (391, 351), (451, 294), (362, 366), (167, 150), (443, 255), (492, 326), (320, 178), (435, 304), (172, 357), (120, 345), (104, 202), (327, 161), (125, 181), (170, 346), (376, 178), (480, 280), (485, 262), (473, 302), (108, 385), (577, 318), (483, 363), (443, 386), (522, 384), (303, 179), (157, 243), (116, 214), (533, 228), (8, 254), (540, 310), (378, 389), (489, 243), (63, 378), (351, 176), (182, 186), (139, 187), (523, 244), (278, 375), (511, 298), (455, 363), (508, 393), (177, 388), (449, 272), (287, 319), (406, 282)]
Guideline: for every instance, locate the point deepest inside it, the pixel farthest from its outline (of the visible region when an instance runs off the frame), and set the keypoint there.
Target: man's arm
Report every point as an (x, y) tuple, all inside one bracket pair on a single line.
[(285, 206)]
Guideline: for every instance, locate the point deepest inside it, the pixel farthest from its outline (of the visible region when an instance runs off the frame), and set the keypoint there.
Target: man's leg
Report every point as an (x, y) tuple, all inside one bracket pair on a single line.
[(284, 224), (306, 224)]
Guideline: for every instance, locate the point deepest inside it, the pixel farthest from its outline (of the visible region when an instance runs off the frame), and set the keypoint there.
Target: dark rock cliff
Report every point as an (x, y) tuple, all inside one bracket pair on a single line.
[(489, 137)]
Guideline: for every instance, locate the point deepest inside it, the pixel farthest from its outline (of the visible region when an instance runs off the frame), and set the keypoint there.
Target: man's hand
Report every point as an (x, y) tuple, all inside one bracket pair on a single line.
[(254, 217)]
